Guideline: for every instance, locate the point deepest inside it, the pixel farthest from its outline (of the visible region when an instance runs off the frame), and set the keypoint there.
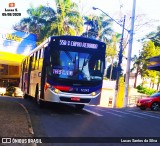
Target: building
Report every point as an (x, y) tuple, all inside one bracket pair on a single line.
[(14, 45)]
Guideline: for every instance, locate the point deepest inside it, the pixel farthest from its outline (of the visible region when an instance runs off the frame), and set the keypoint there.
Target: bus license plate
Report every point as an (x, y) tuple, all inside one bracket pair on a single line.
[(75, 98)]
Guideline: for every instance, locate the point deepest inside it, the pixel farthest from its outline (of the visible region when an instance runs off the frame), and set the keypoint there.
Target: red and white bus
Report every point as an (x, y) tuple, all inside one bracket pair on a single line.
[(65, 69)]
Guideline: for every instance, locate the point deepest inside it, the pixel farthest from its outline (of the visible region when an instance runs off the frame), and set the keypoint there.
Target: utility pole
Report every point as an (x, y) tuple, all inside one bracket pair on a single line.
[(129, 55), (119, 68)]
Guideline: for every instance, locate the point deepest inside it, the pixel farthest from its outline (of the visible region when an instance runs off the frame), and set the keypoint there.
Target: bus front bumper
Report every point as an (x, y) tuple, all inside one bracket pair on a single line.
[(73, 98)]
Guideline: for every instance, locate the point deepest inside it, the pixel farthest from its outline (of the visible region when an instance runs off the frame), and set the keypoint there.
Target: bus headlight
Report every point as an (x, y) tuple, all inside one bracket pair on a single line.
[(56, 90), (95, 92)]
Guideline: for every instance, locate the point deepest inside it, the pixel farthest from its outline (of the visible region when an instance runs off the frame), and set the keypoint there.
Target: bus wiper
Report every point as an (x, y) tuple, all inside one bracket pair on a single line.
[(84, 64)]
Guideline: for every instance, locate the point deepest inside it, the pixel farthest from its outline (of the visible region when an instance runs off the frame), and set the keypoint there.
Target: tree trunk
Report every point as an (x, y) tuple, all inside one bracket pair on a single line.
[(111, 70), (158, 86), (135, 81), (105, 71), (150, 85)]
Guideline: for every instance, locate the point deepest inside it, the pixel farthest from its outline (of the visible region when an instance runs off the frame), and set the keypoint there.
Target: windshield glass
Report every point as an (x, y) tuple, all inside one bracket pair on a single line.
[(75, 65)]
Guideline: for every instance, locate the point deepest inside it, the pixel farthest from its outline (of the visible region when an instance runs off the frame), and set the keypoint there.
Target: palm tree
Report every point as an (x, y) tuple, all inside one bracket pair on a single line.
[(39, 22), (98, 27), (68, 19), (44, 21)]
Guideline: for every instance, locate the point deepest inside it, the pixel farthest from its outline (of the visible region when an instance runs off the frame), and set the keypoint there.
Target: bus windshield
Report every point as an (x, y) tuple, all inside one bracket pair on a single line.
[(75, 65)]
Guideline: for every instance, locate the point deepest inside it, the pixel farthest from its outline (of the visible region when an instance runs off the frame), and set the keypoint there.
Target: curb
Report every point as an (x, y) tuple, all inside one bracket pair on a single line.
[(30, 128), (28, 119)]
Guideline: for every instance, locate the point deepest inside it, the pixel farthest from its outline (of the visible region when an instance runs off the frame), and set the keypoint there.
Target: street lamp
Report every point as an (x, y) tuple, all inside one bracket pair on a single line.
[(94, 8), (120, 55)]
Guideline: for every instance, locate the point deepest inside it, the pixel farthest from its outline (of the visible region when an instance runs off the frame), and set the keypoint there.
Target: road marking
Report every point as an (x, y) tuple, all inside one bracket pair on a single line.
[(144, 114), (127, 113), (156, 112), (92, 112), (110, 113)]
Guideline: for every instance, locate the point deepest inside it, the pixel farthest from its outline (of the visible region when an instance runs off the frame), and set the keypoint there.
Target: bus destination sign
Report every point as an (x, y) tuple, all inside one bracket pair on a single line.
[(78, 44)]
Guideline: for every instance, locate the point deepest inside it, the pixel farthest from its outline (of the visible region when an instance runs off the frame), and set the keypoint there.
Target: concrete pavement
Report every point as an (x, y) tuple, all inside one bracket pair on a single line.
[(14, 121)]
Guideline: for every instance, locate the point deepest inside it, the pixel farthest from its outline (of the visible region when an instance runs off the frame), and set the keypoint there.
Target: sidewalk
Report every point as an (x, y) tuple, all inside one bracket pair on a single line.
[(14, 120)]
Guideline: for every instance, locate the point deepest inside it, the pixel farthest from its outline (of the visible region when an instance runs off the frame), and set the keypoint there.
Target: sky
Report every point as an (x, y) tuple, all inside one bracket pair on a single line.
[(147, 10)]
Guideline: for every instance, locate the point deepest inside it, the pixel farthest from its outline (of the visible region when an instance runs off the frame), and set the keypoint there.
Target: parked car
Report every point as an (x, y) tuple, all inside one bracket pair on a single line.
[(2, 91), (152, 102), (14, 91)]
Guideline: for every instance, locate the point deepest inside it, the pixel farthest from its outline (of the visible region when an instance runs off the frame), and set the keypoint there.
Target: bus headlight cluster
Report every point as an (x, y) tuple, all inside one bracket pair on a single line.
[(55, 90)]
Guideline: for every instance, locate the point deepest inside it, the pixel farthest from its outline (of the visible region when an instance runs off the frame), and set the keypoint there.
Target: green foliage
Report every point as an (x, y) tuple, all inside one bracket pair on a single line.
[(98, 27), (141, 63), (145, 90), (45, 21)]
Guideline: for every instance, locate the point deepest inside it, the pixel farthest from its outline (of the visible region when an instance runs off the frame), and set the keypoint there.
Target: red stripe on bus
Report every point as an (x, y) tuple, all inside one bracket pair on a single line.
[(63, 88)]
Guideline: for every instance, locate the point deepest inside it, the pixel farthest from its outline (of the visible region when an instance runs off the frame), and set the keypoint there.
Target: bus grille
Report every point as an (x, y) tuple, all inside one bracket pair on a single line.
[(86, 100)]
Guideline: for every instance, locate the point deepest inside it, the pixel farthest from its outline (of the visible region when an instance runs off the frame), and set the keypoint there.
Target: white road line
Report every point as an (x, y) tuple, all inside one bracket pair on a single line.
[(127, 113), (144, 114), (156, 112), (92, 112), (110, 113)]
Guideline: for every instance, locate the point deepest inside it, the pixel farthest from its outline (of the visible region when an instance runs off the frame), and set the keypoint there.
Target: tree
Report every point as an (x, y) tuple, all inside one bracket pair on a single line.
[(44, 21), (111, 53), (38, 22), (155, 37), (68, 19), (114, 72), (137, 67), (149, 50), (98, 27)]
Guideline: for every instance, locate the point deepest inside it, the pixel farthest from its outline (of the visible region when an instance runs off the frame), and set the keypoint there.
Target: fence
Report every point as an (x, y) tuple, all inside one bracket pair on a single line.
[(132, 100)]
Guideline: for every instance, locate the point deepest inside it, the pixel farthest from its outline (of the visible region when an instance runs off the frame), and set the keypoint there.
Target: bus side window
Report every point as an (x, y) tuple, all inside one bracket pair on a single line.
[(33, 61), (42, 53), (36, 60), (40, 57)]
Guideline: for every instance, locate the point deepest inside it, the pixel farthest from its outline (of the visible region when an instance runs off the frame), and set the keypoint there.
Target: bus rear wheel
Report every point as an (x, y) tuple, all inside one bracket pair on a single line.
[(79, 106)]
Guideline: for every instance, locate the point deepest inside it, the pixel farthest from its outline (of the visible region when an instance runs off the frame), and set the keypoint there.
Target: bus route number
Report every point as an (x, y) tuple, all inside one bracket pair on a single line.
[(63, 42)]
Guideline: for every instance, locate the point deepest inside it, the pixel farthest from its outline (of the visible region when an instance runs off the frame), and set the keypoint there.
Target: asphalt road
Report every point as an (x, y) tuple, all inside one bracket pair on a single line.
[(93, 124)]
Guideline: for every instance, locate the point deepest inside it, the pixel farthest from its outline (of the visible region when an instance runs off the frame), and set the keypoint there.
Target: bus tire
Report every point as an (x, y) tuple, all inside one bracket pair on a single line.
[(25, 96), (41, 103), (79, 106)]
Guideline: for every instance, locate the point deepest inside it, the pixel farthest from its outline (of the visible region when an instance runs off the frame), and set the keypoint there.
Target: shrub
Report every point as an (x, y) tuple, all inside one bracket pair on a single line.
[(145, 90)]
